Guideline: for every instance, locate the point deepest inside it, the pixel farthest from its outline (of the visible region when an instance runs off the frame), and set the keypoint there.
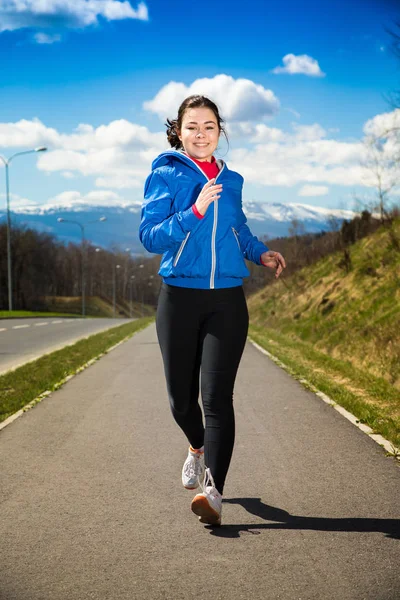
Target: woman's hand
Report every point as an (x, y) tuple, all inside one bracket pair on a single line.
[(273, 260), (208, 194)]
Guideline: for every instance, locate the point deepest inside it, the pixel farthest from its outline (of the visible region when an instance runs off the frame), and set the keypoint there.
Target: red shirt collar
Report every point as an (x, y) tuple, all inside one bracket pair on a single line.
[(210, 169)]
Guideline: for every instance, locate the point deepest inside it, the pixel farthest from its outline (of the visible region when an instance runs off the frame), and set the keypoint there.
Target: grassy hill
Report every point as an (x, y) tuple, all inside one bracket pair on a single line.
[(95, 306), (342, 327)]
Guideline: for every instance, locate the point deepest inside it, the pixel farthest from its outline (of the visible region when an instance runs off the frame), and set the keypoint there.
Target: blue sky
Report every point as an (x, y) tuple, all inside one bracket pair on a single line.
[(94, 81)]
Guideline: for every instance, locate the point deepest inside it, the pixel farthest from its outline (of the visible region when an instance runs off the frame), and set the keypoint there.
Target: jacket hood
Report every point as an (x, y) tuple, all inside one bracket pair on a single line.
[(169, 156)]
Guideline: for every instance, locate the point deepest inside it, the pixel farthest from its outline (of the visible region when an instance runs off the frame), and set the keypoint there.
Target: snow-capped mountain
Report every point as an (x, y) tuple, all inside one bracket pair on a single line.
[(122, 221), (287, 212)]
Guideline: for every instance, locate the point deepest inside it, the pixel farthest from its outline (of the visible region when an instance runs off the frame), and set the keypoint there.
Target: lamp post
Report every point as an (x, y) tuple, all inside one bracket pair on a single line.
[(130, 297), (142, 286), (150, 284), (127, 252), (82, 228), (97, 250), (115, 287), (6, 162)]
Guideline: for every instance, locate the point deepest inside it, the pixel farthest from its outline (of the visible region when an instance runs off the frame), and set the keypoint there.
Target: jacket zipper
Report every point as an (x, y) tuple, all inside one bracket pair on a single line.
[(236, 237), (181, 247), (214, 230), (213, 253)]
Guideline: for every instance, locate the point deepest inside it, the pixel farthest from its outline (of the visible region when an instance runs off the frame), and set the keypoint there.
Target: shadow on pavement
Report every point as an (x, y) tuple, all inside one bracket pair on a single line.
[(284, 520)]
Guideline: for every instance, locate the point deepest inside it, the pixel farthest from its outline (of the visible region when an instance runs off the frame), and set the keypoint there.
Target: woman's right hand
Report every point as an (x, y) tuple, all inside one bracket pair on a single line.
[(208, 194)]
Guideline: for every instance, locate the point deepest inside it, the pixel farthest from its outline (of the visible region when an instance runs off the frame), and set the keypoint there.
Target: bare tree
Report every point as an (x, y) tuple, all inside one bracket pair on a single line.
[(394, 32), (381, 166), (296, 229)]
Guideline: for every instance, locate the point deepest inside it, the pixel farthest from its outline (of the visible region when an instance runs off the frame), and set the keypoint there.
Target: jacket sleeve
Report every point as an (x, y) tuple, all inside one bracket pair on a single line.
[(161, 229), (250, 245)]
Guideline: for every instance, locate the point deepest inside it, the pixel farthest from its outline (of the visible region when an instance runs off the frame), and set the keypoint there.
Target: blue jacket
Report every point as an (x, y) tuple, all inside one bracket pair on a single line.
[(203, 253)]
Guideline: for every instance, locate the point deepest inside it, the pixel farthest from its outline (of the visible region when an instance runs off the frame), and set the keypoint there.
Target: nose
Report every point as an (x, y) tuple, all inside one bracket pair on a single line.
[(199, 134)]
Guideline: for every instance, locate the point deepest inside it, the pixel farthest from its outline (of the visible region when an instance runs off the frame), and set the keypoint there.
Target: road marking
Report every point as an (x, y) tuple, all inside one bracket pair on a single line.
[(40, 324), (20, 412), (383, 442), (20, 326), (54, 322), (3, 329)]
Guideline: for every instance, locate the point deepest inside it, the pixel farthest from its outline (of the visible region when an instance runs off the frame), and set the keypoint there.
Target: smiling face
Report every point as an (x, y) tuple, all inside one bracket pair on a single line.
[(199, 133)]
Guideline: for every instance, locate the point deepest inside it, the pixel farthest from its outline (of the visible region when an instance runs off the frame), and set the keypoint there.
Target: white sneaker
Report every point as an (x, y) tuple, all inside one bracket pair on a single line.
[(208, 504), (193, 469)]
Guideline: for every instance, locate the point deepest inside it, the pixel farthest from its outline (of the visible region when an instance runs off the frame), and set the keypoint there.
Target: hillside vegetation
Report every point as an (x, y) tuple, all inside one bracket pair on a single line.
[(341, 318), (95, 307)]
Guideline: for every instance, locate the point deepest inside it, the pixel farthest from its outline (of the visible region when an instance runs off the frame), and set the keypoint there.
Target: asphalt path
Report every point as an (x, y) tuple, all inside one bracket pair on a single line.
[(92, 505), (23, 340)]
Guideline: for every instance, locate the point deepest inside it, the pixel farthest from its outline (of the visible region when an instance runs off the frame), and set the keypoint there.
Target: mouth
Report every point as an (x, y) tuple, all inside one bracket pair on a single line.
[(201, 145)]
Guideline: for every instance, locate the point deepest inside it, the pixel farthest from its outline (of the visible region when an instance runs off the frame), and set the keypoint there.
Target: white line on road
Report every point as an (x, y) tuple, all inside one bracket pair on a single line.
[(48, 393), (54, 322), (20, 326), (386, 444), (40, 324), (3, 329)]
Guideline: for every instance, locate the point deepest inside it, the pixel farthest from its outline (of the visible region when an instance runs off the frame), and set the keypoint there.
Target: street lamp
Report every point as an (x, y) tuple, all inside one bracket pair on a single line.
[(127, 252), (6, 162), (96, 269), (141, 285), (130, 296), (82, 228), (115, 287)]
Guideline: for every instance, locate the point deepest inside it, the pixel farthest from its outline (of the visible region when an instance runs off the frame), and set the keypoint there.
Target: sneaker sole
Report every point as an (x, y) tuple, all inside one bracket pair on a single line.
[(204, 511)]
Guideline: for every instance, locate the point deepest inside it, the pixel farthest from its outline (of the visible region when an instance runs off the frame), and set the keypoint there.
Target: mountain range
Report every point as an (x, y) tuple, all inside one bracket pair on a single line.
[(121, 224)]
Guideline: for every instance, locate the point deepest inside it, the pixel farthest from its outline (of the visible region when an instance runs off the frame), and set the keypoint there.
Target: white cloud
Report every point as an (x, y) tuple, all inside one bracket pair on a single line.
[(238, 99), (28, 134), (121, 181), (117, 133), (300, 157), (294, 112), (383, 125), (313, 190), (17, 201), (309, 133), (301, 64), (44, 38), (118, 155), (73, 199), (45, 14), (256, 133)]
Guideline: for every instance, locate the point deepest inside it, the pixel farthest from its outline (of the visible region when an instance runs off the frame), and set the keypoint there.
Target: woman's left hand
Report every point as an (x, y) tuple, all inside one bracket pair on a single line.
[(273, 260)]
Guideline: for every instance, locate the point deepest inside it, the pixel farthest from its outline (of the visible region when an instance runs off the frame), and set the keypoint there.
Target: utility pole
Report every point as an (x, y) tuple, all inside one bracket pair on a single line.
[(6, 162)]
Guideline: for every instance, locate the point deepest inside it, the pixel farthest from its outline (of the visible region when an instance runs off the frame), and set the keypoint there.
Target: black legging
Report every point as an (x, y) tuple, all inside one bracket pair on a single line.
[(203, 331)]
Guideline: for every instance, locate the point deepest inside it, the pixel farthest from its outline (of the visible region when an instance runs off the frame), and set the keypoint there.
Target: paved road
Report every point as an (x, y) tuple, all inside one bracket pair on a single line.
[(92, 505), (22, 340)]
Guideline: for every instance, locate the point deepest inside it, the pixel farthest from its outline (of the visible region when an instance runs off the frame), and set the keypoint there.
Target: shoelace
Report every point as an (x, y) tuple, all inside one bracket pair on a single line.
[(208, 482), (193, 467)]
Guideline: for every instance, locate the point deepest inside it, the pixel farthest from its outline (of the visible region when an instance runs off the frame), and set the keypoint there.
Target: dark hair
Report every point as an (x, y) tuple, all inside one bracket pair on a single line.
[(175, 125)]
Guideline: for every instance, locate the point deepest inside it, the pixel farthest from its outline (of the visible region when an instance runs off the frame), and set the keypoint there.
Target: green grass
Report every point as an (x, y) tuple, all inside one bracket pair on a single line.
[(19, 314), (71, 306), (341, 330), (25, 384), (355, 316), (96, 306)]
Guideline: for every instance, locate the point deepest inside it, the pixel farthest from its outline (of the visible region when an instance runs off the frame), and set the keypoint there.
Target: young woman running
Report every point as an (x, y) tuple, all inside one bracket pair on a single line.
[(192, 215)]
